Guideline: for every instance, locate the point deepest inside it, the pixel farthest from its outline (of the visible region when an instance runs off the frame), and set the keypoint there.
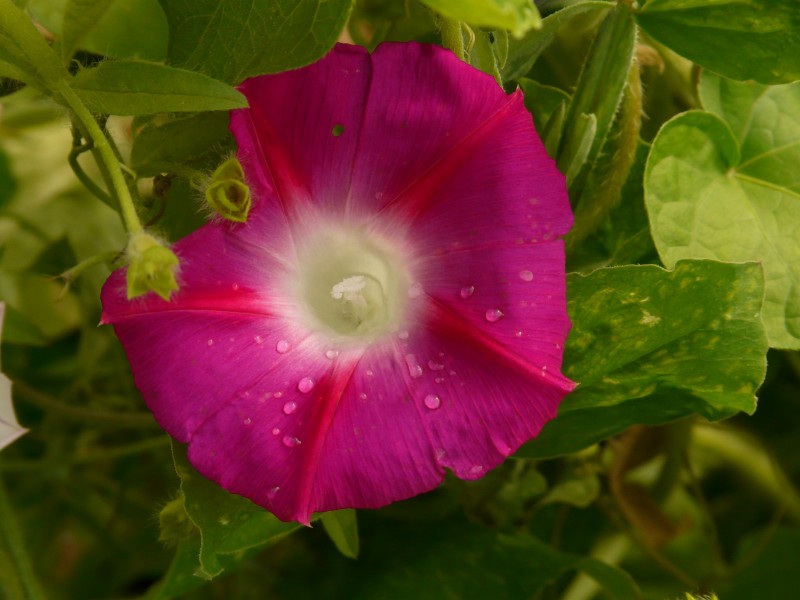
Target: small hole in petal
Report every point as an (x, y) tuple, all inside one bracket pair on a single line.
[(337, 130)]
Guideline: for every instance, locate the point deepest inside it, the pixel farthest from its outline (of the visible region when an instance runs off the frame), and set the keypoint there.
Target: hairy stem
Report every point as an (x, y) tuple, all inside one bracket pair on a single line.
[(106, 154)]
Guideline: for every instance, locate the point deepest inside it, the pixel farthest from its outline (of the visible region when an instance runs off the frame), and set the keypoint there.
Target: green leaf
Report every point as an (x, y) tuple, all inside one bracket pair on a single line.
[(180, 577), (342, 527), (523, 52), (228, 524), (650, 346), (753, 39), (160, 148), (459, 559), (80, 17), (25, 50), (127, 87), (727, 187), (598, 93), (110, 28), (766, 566), (518, 16), (243, 38)]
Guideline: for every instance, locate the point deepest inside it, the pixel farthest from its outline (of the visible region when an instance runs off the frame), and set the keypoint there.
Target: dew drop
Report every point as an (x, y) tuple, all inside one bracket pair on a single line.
[(289, 407), (432, 401), (278, 394), (258, 339), (362, 396), (248, 421), (210, 342), (526, 275), (493, 315), (414, 368), (305, 385), (235, 287), (476, 470), (434, 366), (291, 442), (370, 372), (331, 354), (273, 492), (467, 291), (276, 431), (518, 334), (415, 290), (403, 335), (439, 380), (282, 347)]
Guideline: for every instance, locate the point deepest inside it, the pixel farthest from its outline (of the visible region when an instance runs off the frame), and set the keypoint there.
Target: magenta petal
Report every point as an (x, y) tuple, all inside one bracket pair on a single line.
[(412, 170)]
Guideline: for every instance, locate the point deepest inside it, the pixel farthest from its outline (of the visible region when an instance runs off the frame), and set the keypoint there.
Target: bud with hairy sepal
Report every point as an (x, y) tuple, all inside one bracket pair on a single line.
[(151, 267), (228, 194)]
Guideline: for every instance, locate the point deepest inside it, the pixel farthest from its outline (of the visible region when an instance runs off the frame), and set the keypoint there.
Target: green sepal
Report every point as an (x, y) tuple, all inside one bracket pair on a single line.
[(174, 524), (151, 267), (228, 194)]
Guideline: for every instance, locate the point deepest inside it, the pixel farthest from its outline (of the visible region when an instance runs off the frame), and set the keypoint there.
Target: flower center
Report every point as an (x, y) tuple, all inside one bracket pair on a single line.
[(352, 283)]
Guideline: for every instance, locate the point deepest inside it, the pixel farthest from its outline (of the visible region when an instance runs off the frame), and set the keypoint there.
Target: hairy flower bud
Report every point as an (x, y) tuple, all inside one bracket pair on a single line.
[(151, 267), (228, 194)]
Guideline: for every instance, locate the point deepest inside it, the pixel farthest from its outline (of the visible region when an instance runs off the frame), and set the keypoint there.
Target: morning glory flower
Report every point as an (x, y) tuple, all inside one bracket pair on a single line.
[(393, 306)]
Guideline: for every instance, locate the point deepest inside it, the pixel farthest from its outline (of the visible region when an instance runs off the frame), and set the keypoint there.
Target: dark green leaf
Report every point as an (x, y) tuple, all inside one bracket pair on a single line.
[(458, 559), (125, 87), (159, 148), (523, 52), (518, 16), (767, 566), (241, 38), (180, 577), (753, 39), (342, 527), (650, 346), (228, 524), (728, 190)]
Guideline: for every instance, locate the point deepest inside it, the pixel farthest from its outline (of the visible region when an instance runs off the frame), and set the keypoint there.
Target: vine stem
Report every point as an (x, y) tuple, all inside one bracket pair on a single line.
[(11, 538), (106, 154)]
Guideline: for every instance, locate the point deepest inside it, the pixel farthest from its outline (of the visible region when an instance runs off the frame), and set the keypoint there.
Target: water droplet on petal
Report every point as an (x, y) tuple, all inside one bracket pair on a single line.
[(273, 492), (331, 354), (305, 385), (476, 470), (291, 442), (289, 407), (258, 339), (439, 380), (210, 342), (526, 275), (518, 334), (276, 431), (370, 372), (362, 396), (467, 291), (414, 368), (248, 421), (432, 401), (493, 315), (282, 347), (434, 366), (415, 290), (278, 394), (403, 335)]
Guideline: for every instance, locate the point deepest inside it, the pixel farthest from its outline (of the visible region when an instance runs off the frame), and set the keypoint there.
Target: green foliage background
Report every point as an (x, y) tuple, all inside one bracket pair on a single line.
[(677, 123)]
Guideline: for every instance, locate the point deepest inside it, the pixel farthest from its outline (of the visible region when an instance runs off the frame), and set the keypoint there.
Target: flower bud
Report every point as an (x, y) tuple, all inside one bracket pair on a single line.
[(151, 267), (228, 194)]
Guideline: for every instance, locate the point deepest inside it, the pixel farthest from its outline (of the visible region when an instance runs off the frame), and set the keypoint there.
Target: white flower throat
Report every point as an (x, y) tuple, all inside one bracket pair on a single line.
[(352, 284)]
